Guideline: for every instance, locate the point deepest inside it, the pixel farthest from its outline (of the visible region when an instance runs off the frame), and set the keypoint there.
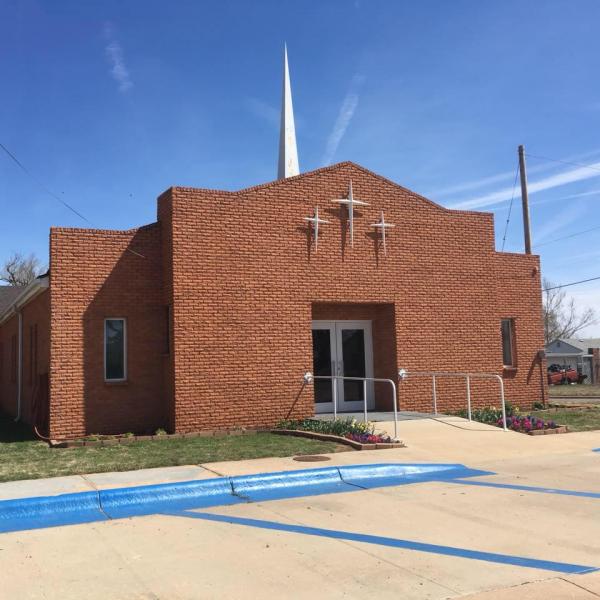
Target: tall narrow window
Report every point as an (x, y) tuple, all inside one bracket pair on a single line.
[(508, 342), (115, 350)]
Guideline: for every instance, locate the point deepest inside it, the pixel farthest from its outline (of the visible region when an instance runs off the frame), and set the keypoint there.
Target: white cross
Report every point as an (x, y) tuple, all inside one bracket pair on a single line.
[(382, 225), (315, 222), (350, 201)]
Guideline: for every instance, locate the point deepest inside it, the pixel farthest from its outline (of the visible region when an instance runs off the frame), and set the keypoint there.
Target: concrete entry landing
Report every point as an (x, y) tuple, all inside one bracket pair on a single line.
[(379, 416)]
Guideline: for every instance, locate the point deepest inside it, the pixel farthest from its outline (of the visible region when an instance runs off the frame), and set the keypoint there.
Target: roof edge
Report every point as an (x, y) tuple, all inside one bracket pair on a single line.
[(30, 291), (334, 167)]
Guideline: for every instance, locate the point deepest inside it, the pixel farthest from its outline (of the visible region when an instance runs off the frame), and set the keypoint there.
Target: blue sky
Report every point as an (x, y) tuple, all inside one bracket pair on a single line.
[(109, 103)]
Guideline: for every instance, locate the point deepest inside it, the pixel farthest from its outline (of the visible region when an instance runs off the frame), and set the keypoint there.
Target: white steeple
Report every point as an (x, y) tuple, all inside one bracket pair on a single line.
[(288, 151)]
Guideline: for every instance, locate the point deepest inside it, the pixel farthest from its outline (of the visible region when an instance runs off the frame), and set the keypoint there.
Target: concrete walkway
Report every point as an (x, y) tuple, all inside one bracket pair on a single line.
[(441, 439), (407, 539)]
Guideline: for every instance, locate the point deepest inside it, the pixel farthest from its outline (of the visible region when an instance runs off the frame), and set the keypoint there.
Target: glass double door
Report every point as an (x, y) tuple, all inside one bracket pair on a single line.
[(342, 348)]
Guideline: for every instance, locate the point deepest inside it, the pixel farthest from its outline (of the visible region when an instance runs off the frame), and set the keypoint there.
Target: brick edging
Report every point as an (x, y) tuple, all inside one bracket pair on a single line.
[(561, 429), (326, 437), (129, 439)]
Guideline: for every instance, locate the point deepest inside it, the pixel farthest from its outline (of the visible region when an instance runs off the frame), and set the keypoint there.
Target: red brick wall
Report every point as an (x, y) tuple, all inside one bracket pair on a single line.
[(8, 380), (35, 314), (94, 275), (245, 280)]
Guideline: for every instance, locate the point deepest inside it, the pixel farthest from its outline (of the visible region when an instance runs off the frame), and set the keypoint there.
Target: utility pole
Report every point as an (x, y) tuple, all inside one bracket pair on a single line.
[(524, 200)]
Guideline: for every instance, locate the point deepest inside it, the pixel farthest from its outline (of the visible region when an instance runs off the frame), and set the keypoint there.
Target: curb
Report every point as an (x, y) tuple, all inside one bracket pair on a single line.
[(119, 503)]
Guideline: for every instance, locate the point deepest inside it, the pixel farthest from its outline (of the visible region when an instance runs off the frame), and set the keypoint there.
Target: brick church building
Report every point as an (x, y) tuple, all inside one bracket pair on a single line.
[(208, 318)]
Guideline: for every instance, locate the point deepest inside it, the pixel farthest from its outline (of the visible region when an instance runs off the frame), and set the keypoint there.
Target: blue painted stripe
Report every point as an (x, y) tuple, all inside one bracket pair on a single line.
[(400, 474), (528, 488), (596, 450), (146, 500), (507, 559), (85, 507), (50, 511)]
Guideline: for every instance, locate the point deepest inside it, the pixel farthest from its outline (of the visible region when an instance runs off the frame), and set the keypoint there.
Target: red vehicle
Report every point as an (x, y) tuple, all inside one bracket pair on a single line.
[(558, 374)]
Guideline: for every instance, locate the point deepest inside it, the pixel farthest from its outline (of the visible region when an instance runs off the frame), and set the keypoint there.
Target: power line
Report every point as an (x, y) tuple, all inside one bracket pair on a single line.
[(52, 194), (510, 207), (566, 237), (557, 287), (41, 185), (564, 162)]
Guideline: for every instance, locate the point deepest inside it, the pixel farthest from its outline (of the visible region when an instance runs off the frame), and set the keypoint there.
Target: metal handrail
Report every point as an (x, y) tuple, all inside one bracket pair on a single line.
[(403, 374), (309, 378)]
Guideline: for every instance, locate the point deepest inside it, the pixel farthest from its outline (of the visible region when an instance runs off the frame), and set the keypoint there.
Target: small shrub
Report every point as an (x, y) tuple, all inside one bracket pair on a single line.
[(160, 431), (340, 427), (489, 414)]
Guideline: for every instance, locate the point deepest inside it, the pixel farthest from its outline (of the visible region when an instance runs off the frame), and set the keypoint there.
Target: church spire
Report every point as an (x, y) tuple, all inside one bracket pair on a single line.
[(288, 151)]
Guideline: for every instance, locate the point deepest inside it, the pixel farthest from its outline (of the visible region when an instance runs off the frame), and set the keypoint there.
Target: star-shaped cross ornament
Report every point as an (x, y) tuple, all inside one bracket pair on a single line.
[(315, 221), (350, 203), (382, 226)]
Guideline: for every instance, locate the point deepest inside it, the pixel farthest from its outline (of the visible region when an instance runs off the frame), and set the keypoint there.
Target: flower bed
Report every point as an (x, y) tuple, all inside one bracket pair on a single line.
[(529, 424), (358, 434)]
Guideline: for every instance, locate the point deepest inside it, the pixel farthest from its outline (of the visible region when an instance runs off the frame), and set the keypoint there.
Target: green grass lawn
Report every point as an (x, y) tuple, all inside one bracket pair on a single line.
[(567, 391), (24, 457), (576, 419)]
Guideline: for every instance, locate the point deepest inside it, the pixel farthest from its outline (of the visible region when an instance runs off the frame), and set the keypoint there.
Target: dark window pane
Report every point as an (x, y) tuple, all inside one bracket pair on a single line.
[(322, 364), (353, 355), (115, 348), (507, 342)]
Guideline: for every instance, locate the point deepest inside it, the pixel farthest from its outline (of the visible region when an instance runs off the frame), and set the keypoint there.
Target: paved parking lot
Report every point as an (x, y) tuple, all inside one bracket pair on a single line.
[(422, 540)]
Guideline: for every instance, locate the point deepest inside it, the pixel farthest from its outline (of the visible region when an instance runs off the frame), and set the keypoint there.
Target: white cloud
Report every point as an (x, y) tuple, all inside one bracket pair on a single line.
[(507, 176), (114, 53), (344, 117), (550, 182), (587, 295), (264, 111), (558, 222)]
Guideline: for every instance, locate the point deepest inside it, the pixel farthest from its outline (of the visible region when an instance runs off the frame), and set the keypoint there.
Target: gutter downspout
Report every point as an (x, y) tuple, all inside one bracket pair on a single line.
[(19, 365)]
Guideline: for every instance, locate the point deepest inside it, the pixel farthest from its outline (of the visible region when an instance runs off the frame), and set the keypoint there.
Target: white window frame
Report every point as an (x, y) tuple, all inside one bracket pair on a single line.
[(124, 378), (511, 333)]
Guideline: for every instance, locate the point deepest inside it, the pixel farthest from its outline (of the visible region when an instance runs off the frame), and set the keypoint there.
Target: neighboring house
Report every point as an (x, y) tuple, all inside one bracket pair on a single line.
[(580, 354), (208, 318)]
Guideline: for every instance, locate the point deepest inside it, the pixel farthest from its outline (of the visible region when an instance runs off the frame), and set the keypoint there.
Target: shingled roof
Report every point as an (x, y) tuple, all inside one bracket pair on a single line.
[(8, 294)]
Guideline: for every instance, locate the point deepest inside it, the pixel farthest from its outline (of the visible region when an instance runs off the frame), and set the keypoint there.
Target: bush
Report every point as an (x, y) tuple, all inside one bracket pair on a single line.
[(357, 431), (489, 414), (341, 427)]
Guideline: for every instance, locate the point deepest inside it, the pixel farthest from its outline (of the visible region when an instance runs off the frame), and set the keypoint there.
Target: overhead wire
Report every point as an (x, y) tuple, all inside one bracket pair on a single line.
[(510, 207), (40, 184), (564, 162), (566, 237), (557, 287), (50, 193)]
